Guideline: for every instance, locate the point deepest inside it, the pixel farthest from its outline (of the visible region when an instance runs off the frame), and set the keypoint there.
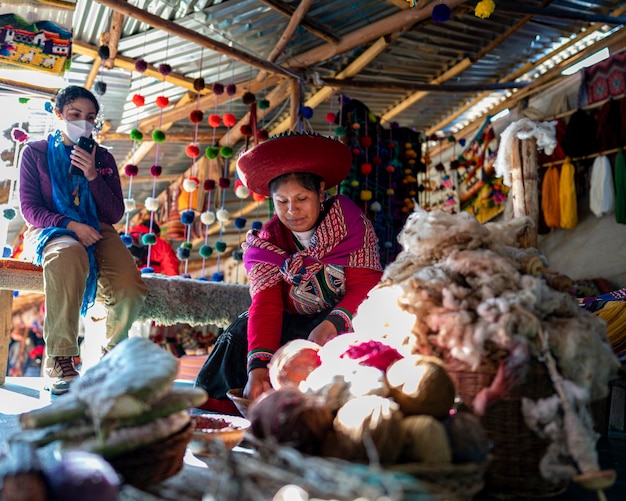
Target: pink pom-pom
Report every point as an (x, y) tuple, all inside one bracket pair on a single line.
[(156, 170), (214, 120), (162, 102), (139, 100), (19, 135), (131, 170), (229, 119)]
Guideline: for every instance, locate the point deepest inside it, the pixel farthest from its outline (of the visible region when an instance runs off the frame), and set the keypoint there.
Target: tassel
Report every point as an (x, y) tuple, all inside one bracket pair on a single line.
[(567, 196), (484, 8), (550, 198)]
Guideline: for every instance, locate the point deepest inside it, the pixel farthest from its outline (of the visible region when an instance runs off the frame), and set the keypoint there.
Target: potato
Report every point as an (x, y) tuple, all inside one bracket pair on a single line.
[(421, 385)]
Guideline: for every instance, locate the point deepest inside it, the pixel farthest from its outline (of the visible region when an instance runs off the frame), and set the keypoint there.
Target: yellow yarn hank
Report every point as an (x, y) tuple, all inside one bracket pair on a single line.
[(614, 314), (550, 204), (484, 8), (567, 196)]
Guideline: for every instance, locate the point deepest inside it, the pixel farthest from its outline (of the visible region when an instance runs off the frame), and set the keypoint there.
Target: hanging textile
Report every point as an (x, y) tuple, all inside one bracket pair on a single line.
[(550, 205), (601, 187), (567, 196), (620, 187), (37, 34), (606, 78)]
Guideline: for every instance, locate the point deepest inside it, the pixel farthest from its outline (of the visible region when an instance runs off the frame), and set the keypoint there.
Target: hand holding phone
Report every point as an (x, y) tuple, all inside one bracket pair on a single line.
[(87, 144)]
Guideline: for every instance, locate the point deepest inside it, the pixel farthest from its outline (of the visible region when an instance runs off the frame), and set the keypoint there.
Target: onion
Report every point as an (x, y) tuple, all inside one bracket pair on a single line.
[(82, 475)]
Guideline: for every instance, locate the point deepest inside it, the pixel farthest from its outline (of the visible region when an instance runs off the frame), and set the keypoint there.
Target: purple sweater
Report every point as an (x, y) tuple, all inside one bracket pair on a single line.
[(36, 188)]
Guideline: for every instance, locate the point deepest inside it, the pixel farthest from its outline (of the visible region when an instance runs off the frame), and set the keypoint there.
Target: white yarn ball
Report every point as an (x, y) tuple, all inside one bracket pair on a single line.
[(207, 217), (242, 192), (152, 204), (129, 204), (223, 215), (376, 207), (190, 185)]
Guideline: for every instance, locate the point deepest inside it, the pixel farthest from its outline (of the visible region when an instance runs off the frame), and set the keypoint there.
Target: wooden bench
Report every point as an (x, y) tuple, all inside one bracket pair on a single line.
[(170, 300)]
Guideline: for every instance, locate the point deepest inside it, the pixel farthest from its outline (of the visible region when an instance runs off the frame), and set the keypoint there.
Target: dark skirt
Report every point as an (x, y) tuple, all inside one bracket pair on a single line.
[(226, 366)]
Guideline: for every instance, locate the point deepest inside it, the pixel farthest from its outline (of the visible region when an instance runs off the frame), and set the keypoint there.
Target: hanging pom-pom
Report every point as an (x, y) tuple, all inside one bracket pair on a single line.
[(104, 52), (248, 98), (136, 135), (229, 119), (9, 213), (147, 270), (246, 130), (390, 169), (240, 223), (139, 100), (148, 239), (214, 120), (462, 142), (366, 195), (191, 184), (441, 13), (212, 152), (207, 217), (454, 164), (451, 139), (152, 204), (209, 184), (187, 217), (141, 65), (19, 135), (183, 253), (217, 277), (162, 102), (256, 225), (340, 131), (390, 192), (377, 160), (241, 191), (198, 84), (220, 246), (356, 126), (238, 255), (131, 170), (226, 151), (129, 204), (222, 215), (156, 170), (365, 141), (165, 69), (196, 116), (484, 8), (258, 198), (440, 167), (366, 169), (218, 88), (262, 135), (48, 107), (376, 207), (23, 100), (224, 183), (231, 89), (330, 118), (158, 136), (263, 104), (100, 88), (306, 112), (205, 251), (356, 151), (127, 240), (192, 150)]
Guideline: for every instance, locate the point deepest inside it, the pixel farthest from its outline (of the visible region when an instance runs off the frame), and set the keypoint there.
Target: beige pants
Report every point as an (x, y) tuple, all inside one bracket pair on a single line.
[(65, 270)]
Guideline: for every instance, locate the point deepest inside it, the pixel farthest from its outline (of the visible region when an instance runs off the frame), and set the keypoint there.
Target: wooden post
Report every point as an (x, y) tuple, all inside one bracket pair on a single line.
[(524, 187), (6, 303)]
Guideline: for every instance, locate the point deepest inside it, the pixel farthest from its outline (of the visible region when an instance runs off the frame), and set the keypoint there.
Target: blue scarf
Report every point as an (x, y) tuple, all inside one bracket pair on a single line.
[(63, 196)]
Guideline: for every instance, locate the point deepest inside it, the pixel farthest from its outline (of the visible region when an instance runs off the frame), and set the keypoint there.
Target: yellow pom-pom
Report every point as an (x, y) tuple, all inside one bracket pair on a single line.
[(366, 195), (484, 8)]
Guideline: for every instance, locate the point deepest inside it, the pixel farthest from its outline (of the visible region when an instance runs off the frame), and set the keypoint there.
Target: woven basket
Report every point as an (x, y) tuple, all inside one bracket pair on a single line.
[(154, 463), (452, 482), (517, 450)]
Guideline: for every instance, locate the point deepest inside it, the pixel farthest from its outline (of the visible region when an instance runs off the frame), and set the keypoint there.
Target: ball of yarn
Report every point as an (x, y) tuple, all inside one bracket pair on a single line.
[(152, 204), (192, 150), (231, 89), (241, 191), (127, 240), (148, 238), (212, 152), (141, 65), (207, 217), (229, 119), (226, 151), (131, 170), (165, 69), (156, 170), (100, 88), (136, 135), (222, 215), (215, 120), (183, 253), (162, 102), (129, 204), (220, 246), (158, 136), (187, 217), (218, 88), (340, 131), (147, 270), (139, 100), (238, 255), (205, 251), (196, 116), (224, 183), (191, 184), (209, 184), (256, 225), (240, 223), (263, 104)]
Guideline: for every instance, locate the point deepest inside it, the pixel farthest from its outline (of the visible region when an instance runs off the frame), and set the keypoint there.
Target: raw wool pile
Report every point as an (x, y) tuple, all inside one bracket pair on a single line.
[(467, 292), (173, 300)]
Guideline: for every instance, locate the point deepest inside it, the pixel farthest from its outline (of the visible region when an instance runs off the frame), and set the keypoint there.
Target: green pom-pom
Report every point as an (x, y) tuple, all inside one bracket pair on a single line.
[(158, 136), (9, 214), (136, 135), (220, 246), (340, 130), (206, 251), (263, 104), (212, 152), (226, 151), (148, 238), (23, 100), (187, 245)]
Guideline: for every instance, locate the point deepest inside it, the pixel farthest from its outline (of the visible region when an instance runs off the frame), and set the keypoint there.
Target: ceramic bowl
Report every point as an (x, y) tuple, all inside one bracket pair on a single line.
[(242, 404), (213, 433)]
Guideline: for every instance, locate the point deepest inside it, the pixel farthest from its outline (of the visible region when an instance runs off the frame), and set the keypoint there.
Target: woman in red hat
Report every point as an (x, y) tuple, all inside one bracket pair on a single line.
[(309, 267)]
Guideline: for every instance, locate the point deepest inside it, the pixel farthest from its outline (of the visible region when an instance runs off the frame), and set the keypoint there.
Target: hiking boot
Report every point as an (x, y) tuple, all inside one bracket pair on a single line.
[(62, 371)]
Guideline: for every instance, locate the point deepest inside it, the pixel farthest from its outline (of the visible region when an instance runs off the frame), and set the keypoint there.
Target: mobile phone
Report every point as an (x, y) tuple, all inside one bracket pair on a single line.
[(87, 144)]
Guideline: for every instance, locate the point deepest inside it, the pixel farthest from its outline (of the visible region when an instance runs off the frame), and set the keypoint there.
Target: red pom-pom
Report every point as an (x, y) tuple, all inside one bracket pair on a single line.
[(366, 168), (209, 184), (366, 141), (229, 119), (139, 100), (391, 145), (131, 170), (390, 168), (192, 150), (196, 116), (224, 182), (246, 130), (377, 160), (214, 120), (257, 198), (156, 170), (262, 135), (162, 102), (330, 118), (356, 151)]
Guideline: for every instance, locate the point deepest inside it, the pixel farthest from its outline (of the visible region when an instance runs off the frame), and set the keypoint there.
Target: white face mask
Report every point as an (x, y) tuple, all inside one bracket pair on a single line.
[(77, 129)]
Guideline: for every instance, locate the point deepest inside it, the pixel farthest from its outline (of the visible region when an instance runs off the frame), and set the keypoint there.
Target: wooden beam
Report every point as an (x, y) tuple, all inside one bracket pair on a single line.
[(175, 29), (114, 35), (369, 85), (308, 24)]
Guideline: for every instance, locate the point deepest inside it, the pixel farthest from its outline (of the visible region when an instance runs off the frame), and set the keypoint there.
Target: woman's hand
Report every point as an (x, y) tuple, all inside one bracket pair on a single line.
[(323, 333), (258, 382), (87, 235), (85, 161)]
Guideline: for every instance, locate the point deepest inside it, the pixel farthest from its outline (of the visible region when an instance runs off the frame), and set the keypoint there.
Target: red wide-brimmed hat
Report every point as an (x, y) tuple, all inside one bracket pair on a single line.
[(294, 152)]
